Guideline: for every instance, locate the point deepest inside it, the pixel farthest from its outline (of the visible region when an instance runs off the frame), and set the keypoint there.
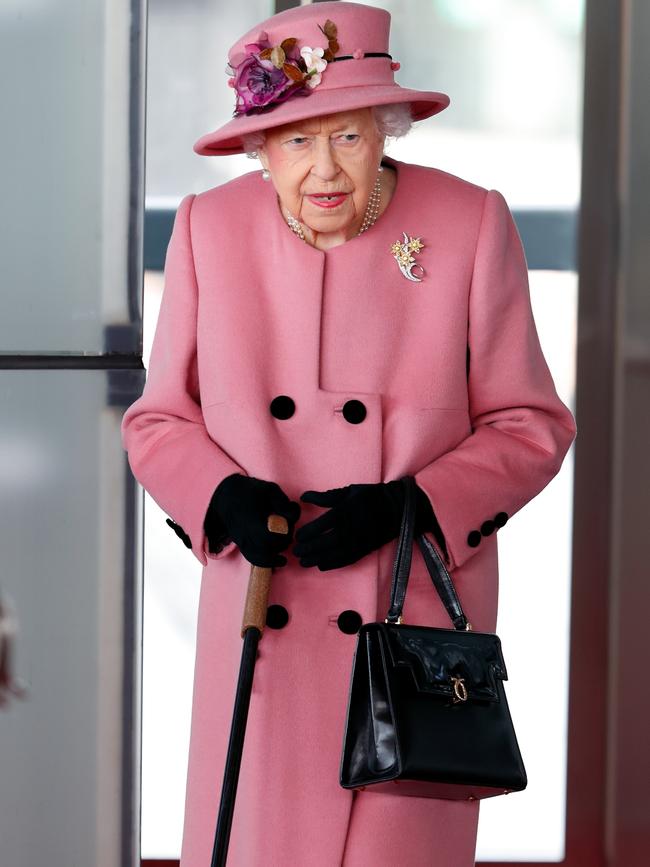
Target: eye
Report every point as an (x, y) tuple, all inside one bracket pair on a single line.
[(350, 135), (297, 139)]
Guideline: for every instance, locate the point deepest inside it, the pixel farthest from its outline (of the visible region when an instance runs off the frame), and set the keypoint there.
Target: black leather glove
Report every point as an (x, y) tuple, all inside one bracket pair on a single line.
[(362, 518), (239, 511)]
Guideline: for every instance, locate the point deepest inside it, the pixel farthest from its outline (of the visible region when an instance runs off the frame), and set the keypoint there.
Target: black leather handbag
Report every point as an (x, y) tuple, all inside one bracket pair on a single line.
[(427, 713)]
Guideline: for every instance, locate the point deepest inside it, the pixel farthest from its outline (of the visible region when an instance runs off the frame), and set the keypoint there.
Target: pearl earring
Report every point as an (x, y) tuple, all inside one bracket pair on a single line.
[(266, 174)]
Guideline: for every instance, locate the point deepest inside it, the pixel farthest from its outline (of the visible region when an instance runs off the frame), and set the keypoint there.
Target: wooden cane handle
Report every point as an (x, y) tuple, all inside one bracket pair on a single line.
[(259, 584)]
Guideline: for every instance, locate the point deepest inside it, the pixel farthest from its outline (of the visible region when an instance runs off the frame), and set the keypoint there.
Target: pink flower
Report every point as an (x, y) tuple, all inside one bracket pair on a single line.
[(358, 54), (395, 65), (258, 83)]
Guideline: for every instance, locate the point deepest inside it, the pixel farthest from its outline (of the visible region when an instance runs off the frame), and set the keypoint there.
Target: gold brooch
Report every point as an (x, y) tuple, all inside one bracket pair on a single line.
[(403, 254)]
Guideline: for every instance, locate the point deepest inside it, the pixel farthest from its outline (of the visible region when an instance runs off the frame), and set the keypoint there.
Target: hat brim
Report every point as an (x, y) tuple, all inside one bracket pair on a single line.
[(227, 139)]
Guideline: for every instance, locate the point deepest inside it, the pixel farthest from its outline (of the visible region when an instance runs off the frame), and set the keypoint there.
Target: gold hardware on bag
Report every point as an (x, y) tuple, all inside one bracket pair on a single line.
[(399, 619), (460, 690)]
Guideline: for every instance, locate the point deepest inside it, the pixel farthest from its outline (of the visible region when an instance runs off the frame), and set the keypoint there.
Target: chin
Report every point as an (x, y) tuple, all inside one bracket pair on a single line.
[(329, 225)]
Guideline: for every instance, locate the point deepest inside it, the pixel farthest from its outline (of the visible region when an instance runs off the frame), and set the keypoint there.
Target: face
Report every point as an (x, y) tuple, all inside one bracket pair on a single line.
[(336, 153)]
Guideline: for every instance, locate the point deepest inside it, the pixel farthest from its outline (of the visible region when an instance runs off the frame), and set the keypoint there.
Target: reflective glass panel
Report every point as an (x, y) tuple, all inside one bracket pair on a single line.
[(66, 158), (66, 792)]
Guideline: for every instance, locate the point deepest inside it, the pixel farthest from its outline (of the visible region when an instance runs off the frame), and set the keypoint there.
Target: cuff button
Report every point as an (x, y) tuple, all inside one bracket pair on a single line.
[(474, 539), (180, 532)]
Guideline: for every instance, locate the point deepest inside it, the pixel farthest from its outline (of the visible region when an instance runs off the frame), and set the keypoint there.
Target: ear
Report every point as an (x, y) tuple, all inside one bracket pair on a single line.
[(261, 155)]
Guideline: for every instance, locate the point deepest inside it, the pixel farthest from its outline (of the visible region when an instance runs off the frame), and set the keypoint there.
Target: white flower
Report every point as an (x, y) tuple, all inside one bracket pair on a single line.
[(313, 57)]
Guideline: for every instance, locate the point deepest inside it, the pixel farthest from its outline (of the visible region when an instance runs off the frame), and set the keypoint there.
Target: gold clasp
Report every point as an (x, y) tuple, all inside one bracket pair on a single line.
[(460, 690), (399, 619)]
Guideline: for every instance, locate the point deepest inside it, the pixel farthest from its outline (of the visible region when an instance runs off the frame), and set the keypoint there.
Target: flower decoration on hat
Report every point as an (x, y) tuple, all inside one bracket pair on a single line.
[(313, 57), (267, 75)]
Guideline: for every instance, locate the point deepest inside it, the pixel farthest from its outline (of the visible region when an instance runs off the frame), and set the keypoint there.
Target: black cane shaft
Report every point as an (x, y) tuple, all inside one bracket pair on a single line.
[(253, 623), (235, 747)]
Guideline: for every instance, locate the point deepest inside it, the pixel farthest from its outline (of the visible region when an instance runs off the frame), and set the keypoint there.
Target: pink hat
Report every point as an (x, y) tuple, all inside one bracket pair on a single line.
[(312, 60)]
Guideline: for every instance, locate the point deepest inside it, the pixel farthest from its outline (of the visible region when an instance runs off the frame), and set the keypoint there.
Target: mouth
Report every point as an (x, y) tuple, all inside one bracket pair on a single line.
[(330, 200)]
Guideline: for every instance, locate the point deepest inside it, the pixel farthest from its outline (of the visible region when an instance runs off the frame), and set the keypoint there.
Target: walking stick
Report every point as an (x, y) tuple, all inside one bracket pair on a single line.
[(253, 623)]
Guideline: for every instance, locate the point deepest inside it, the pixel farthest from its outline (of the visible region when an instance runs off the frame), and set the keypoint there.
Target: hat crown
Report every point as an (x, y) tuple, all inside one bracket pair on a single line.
[(359, 27), (273, 89)]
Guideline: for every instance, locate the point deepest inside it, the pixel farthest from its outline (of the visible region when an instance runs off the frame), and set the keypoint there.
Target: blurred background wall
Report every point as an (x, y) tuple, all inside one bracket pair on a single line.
[(99, 597)]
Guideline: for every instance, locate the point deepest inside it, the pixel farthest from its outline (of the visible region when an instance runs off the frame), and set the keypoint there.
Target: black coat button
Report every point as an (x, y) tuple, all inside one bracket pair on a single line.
[(277, 616), (349, 621), (474, 539), (487, 527), (180, 532), (282, 406), (354, 411), (500, 519)]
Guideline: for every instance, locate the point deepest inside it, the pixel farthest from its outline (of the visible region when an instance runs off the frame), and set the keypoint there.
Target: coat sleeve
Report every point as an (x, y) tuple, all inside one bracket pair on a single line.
[(521, 430), (169, 449)]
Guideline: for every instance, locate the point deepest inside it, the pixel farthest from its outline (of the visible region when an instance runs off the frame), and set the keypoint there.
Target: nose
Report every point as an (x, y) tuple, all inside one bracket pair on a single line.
[(325, 165)]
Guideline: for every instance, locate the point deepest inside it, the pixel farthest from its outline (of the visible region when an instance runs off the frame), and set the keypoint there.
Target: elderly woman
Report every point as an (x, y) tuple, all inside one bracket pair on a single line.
[(328, 325)]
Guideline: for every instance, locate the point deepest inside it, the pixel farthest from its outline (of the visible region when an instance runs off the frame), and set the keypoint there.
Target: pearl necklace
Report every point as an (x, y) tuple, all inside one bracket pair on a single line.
[(372, 212)]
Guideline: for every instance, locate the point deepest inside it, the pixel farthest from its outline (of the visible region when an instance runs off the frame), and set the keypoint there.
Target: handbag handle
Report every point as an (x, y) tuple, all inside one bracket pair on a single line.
[(403, 554), (440, 577)]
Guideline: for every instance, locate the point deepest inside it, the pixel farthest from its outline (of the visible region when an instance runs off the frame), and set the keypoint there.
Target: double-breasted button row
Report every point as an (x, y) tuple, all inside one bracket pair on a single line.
[(277, 616), (354, 411), (284, 407), (487, 527), (348, 621)]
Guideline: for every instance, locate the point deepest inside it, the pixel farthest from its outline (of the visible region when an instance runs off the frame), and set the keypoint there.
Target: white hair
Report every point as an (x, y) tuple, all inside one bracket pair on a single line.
[(392, 121)]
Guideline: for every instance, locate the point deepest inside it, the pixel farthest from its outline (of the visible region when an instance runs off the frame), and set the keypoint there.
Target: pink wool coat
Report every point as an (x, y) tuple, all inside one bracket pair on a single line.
[(455, 390)]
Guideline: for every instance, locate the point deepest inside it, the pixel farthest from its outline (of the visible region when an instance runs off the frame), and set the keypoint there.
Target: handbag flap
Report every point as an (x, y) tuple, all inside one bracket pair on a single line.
[(446, 662)]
